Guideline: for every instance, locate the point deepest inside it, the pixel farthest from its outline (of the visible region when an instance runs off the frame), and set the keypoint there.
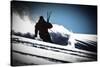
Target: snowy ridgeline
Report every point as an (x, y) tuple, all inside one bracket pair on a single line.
[(27, 51)]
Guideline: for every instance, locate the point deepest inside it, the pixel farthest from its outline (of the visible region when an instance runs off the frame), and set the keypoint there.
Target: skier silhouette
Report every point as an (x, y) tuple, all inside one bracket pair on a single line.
[(42, 27)]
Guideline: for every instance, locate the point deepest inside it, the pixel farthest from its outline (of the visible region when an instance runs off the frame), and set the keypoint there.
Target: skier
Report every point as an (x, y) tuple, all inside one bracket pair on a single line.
[(42, 26)]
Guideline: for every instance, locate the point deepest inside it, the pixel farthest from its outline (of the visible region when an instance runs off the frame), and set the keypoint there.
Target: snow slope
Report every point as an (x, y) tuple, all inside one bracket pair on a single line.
[(29, 51)]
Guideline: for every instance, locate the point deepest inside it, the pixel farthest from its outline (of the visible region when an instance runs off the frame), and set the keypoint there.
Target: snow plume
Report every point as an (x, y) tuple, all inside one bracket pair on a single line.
[(59, 29), (22, 25), (59, 34)]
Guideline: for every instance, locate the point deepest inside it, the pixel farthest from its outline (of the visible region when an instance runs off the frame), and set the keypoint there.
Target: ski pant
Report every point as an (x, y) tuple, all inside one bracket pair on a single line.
[(45, 37)]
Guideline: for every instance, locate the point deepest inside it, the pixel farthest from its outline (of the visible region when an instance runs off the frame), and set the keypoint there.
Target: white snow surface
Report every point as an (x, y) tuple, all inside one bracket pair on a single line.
[(68, 56)]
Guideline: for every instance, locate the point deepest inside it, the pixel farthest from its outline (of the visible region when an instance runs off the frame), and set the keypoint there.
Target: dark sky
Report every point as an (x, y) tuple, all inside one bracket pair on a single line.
[(78, 18)]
